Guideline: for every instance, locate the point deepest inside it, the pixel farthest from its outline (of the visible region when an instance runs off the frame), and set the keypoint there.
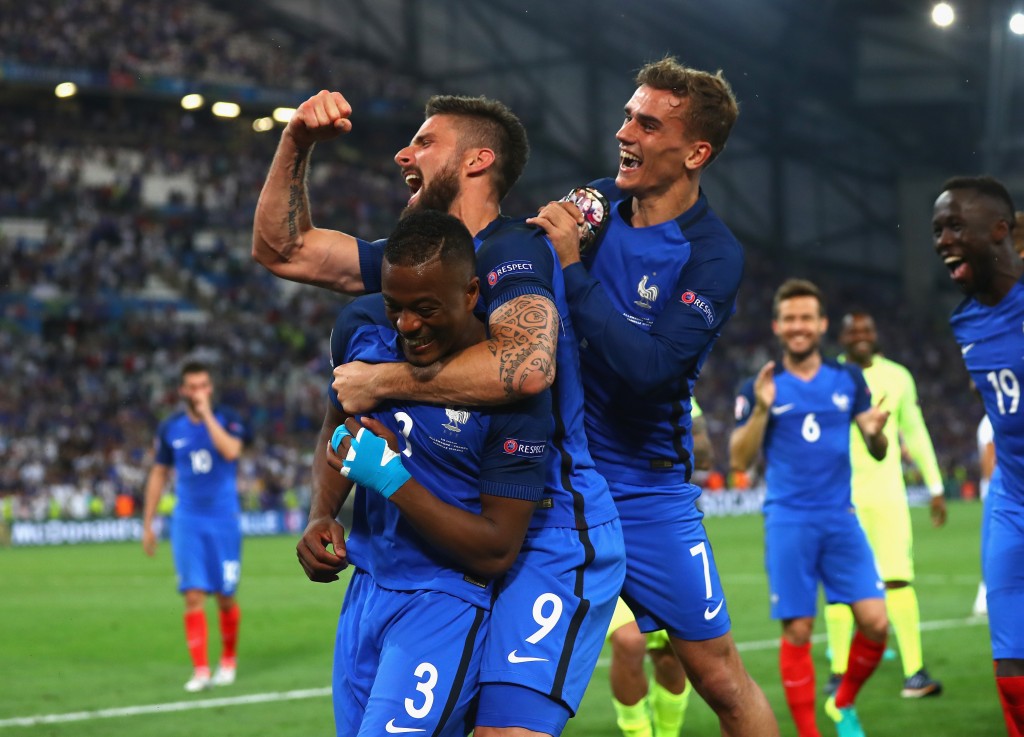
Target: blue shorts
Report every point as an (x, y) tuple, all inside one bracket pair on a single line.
[(671, 577), (549, 622), (830, 548), (207, 553), (405, 661), (1003, 564)]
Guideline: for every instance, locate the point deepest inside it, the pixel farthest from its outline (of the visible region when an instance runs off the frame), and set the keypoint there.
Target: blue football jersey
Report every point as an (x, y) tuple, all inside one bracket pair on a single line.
[(992, 343), (807, 440), (514, 259), (205, 483), (648, 304), (457, 453)]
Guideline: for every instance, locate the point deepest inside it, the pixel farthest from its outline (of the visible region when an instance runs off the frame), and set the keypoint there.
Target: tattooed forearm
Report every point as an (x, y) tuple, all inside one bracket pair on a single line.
[(524, 336), (297, 208)]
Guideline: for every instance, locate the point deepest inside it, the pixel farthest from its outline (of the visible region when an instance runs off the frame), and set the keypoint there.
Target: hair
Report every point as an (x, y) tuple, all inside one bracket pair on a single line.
[(797, 288), (490, 125), (193, 367), (989, 187), (424, 235), (712, 109)]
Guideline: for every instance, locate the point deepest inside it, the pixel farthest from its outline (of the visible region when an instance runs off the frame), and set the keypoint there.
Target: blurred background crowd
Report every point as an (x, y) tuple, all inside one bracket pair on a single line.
[(125, 228)]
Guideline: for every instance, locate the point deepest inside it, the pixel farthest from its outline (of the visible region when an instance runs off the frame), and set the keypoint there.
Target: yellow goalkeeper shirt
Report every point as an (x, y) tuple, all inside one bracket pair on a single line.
[(877, 482)]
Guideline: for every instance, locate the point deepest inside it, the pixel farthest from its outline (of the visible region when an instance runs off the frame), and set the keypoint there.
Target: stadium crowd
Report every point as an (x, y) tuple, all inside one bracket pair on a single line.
[(124, 248)]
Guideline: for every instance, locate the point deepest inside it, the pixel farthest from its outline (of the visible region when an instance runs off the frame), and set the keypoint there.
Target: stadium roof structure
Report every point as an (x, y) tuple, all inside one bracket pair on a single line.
[(853, 112)]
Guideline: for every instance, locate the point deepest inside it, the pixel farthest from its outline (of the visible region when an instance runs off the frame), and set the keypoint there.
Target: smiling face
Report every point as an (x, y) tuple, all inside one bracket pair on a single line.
[(968, 230), (799, 326), (431, 308), (655, 147), (430, 164)]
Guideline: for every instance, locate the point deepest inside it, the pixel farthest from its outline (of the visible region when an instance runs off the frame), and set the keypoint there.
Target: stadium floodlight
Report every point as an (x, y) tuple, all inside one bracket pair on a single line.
[(283, 114), (192, 101), (226, 109), (1017, 23), (943, 15), (262, 125), (66, 89)]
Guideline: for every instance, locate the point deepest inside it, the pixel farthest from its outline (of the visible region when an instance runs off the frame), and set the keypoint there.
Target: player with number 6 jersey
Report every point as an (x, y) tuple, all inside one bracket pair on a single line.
[(973, 227), (800, 412)]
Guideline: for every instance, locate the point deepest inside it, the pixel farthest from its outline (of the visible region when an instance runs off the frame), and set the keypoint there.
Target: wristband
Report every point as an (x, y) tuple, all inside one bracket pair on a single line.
[(370, 462), (936, 490)]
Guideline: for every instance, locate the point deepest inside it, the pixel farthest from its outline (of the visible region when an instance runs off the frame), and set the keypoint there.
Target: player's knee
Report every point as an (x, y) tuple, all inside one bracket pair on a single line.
[(629, 644)]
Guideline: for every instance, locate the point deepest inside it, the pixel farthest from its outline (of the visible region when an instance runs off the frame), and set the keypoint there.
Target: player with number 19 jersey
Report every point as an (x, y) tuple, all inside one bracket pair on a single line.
[(549, 622), (412, 627), (206, 536), (992, 343), (811, 531)]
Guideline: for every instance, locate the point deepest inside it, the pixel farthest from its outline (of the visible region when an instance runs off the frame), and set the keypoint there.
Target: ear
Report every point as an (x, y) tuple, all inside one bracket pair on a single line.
[(824, 325), (1000, 230), (478, 160), (472, 293), (775, 326), (700, 154)]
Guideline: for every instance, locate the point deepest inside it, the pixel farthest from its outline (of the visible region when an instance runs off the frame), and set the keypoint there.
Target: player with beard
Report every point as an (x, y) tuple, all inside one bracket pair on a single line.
[(973, 232), (548, 624), (801, 411)]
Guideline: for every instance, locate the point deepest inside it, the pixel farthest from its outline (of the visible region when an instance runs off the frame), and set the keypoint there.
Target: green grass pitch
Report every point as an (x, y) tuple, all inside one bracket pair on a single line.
[(98, 627)]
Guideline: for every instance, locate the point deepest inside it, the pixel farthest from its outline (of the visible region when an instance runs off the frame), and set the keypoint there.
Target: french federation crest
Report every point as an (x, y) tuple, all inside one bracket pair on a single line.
[(841, 401), (456, 417), (647, 293)]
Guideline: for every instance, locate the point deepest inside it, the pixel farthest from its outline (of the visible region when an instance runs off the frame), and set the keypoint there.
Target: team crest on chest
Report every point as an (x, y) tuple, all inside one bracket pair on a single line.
[(456, 417), (841, 401), (647, 294)]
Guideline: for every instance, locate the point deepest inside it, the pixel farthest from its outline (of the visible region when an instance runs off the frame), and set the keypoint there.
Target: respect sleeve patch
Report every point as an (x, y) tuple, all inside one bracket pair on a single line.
[(700, 304)]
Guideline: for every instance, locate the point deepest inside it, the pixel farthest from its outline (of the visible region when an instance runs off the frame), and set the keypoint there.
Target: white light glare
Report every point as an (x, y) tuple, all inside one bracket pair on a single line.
[(66, 89), (1017, 23), (283, 114), (225, 109), (192, 102), (943, 15), (262, 125)]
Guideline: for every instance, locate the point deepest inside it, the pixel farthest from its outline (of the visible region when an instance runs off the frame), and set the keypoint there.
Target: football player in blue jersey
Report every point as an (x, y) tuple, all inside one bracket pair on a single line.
[(973, 230), (649, 299), (200, 446), (548, 625), (800, 412), (439, 515)]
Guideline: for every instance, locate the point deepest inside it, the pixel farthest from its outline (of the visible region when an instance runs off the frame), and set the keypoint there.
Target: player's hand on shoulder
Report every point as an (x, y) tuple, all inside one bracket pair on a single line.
[(355, 385), (561, 221), (322, 117), (320, 563)]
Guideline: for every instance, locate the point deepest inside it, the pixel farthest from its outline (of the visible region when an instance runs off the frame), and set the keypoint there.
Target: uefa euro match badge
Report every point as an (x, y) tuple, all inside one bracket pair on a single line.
[(594, 207)]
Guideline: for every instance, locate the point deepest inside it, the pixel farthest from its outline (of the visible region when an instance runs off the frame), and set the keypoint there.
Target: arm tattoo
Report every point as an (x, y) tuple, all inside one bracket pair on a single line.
[(524, 335), (297, 194)]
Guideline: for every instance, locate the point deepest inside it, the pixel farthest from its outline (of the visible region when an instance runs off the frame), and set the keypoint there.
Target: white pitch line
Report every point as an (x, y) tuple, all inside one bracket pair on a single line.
[(313, 693)]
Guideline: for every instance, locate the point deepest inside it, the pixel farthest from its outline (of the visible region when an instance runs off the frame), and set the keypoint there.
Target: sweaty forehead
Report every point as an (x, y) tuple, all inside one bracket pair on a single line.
[(659, 103)]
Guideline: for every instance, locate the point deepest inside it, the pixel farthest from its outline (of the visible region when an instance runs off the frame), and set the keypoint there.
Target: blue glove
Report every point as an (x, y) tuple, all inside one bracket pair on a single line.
[(370, 462)]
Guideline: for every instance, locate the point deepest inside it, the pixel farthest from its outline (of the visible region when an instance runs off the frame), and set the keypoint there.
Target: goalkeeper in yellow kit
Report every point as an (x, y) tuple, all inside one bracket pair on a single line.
[(880, 496)]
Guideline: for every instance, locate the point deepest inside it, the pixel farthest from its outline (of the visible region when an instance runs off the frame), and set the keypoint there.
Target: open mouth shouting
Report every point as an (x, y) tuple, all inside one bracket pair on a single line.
[(414, 181)]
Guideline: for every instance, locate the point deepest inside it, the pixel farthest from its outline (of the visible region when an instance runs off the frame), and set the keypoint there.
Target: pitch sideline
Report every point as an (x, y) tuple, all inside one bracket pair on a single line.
[(312, 693)]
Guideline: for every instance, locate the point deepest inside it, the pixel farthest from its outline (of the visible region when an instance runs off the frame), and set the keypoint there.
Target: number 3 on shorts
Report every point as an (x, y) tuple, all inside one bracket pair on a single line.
[(428, 673)]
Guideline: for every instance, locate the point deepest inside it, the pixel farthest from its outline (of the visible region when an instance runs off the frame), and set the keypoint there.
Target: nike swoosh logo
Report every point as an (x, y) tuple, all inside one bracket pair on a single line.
[(710, 614), (782, 409), (966, 348), (513, 658), (392, 729)]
